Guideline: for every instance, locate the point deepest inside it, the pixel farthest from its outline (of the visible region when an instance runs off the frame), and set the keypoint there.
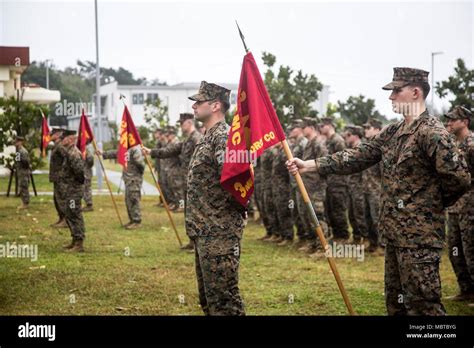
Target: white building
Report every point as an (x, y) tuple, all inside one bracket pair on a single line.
[(174, 97)]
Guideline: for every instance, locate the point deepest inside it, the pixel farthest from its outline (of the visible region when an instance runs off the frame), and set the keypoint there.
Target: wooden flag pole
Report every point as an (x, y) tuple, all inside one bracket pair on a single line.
[(122, 97), (312, 213), (319, 231), (107, 180), (163, 197)]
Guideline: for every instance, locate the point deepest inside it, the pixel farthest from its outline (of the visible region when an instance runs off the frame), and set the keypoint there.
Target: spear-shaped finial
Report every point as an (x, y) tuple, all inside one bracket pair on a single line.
[(242, 37)]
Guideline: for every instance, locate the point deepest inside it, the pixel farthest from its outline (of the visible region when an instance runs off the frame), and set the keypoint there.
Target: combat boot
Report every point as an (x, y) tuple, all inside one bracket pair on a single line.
[(78, 246), (133, 226), (69, 246), (285, 242), (22, 206), (189, 246), (87, 208)]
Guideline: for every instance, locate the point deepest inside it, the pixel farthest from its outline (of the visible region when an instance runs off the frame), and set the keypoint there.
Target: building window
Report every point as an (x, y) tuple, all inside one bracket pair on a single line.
[(137, 98), (151, 97)]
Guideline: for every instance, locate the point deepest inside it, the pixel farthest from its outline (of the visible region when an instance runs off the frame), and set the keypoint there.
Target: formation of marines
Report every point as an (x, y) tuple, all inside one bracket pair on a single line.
[(391, 187)]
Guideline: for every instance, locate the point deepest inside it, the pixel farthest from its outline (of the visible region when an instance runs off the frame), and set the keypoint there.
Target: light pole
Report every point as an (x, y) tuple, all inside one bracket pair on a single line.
[(433, 54), (47, 72), (97, 95)]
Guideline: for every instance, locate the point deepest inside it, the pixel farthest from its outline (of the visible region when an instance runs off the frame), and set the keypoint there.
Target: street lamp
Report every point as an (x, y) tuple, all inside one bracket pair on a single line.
[(433, 54)]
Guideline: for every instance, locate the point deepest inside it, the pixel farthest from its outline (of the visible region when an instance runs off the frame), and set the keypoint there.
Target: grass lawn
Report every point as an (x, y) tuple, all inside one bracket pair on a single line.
[(144, 272)]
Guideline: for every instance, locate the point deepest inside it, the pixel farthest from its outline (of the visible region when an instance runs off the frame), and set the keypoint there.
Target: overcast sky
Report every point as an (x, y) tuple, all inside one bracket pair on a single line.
[(350, 45)]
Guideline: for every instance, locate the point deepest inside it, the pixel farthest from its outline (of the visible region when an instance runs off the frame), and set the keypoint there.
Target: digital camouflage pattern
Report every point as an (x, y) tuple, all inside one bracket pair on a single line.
[(210, 91), (297, 149), (88, 164), (412, 282), (404, 76), (423, 173), (23, 170), (336, 194), (182, 151), (461, 227), (280, 186), (316, 185), (71, 189), (268, 202), (215, 221), (55, 168), (133, 180)]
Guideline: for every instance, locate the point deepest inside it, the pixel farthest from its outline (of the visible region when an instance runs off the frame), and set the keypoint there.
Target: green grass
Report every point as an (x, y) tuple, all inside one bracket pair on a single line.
[(43, 185), (149, 281)]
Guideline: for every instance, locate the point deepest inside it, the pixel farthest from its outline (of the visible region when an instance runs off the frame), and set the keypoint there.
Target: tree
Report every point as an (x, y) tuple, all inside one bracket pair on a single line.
[(460, 86), (357, 110), (20, 118), (291, 94), (156, 114)]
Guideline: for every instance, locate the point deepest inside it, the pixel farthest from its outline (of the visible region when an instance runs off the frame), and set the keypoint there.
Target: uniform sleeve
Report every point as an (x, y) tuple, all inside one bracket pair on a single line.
[(136, 157), (89, 160), (170, 150), (220, 145), (111, 154), (449, 163), (349, 161)]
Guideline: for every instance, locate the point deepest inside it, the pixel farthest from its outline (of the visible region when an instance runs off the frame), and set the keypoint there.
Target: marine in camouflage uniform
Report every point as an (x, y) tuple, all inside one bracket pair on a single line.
[(423, 173), (183, 151), (55, 168), (336, 193), (273, 229), (71, 189), (355, 189), (372, 188), (133, 179), (258, 193), (214, 219), (174, 173), (316, 185), (281, 196), (23, 170), (88, 164), (461, 214), (297, 149)]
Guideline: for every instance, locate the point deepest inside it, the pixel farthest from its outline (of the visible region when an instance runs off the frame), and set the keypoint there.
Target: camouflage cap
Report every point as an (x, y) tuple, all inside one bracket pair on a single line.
[(404, 76), (68, 132), (55, 130), (185, 116), (459, 113), (171, 130), (211, 91), (356, 130), (373, 122), (310, 122), (327, 120), (296, 123), (19, 138)]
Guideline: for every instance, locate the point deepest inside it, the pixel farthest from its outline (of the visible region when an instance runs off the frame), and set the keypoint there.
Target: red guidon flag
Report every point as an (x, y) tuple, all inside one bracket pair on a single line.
[(45, 137), (255, 127), (84, 135), (128, 137)]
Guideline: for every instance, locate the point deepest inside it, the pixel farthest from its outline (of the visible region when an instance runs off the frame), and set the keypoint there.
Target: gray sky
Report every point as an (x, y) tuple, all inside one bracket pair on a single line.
[(350, 45)]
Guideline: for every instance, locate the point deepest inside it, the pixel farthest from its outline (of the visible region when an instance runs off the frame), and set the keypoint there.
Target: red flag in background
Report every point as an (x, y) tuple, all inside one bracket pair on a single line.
[(45, 137), (255, 127), (128, 137), (84, 135)]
